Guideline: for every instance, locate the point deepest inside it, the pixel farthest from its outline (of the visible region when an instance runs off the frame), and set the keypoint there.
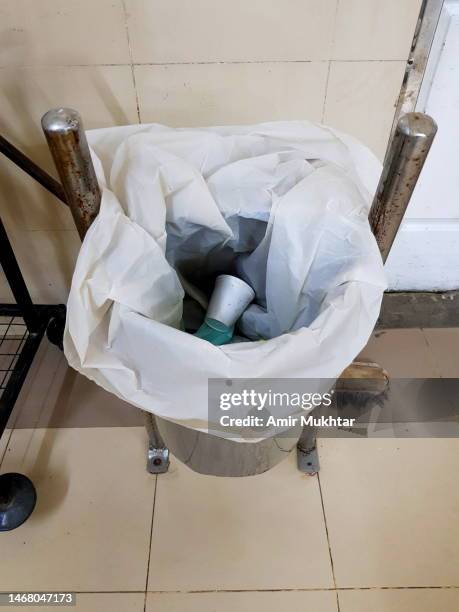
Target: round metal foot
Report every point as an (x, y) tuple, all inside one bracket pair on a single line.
[(17, 500)]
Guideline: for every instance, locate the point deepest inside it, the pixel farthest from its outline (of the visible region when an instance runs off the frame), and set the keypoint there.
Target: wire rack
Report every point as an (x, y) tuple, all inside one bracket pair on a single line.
[(13, 336), (18, 346), (19, 342)]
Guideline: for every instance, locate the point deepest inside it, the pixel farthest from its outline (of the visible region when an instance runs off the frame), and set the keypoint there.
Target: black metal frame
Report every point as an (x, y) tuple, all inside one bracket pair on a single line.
[(22, 327), (34, 319)]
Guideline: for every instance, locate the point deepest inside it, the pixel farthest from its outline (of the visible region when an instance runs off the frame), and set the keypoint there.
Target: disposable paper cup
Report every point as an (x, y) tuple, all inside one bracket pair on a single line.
[(230, 298)]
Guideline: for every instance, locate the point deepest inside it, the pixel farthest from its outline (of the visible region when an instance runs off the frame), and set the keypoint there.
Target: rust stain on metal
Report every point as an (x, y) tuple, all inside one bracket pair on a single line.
[(404, 161), (67, 142)]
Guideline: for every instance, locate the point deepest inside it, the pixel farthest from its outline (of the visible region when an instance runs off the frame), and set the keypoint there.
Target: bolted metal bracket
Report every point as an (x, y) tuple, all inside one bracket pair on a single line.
[(157, 460), (307, 455), (157, 453), (308, 460)]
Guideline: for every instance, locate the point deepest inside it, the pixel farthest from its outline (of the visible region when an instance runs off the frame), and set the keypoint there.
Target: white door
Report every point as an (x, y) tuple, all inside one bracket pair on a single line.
[(425, 255)]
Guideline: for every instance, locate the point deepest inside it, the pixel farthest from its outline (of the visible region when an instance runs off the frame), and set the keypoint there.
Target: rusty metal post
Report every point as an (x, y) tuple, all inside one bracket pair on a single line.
[(405, 158), (67, 142), (416, 66)]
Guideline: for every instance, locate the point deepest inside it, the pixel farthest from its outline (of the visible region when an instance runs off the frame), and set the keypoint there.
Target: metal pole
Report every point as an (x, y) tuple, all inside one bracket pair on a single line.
[(67, 142), (411, 90), (158, 453), (405, 158)]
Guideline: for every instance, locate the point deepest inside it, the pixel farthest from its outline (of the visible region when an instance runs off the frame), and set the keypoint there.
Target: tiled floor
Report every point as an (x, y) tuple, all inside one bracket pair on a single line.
[(377, 530)]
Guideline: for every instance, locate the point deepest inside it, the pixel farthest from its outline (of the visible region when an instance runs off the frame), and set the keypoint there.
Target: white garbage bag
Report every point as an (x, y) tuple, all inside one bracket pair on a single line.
[(282, 205)]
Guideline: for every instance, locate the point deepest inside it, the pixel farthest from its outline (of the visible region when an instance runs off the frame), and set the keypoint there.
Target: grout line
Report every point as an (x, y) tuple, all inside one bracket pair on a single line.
[(325, 92), (432, 354), (332, 47), (123, 3), (201, 63), (396, 588), (77, 426), (137, 102), (287, 590), (6, 445), (59, 229), (426, 341), (46, 346), (328, 538), (267, 61), (151, 539), (231, 62), (62, 362), (31, 377)]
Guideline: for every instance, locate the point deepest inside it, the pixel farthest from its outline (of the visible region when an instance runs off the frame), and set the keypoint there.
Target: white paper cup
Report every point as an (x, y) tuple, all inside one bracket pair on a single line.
[(230, 298)]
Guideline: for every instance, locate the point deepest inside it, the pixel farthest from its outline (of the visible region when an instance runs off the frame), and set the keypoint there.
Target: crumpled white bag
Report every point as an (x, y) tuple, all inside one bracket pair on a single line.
[(285, 205)]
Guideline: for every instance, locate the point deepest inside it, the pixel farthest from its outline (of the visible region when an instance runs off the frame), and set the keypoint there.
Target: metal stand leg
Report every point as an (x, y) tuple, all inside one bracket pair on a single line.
[(307, 456), (67, 142), (158, 453), (405, 157)]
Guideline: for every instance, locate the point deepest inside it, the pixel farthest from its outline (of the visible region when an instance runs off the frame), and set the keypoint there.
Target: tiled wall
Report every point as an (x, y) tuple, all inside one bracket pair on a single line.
[(183, 62)]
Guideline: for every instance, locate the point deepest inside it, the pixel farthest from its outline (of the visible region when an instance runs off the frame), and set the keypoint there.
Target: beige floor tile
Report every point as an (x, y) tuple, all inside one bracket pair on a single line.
[(319, 601), (75, 401), (90, 530), (392, 510), (100, 602), (4, 443), (36, 387), (104, 96), (55, 395), (444, 347), (6, 297), (263, 532), (219, 31), (57, 32), (373, 30), (47, 260), (212, 94), (404, 353), (400, 600), (361, 99)]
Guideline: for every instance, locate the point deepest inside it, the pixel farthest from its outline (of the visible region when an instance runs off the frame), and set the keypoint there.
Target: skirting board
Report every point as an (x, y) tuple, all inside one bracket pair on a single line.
[(419, 309)]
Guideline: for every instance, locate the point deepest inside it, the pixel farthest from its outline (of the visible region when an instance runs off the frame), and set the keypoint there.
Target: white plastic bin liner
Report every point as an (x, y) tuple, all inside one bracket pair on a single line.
[(284, 205)]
